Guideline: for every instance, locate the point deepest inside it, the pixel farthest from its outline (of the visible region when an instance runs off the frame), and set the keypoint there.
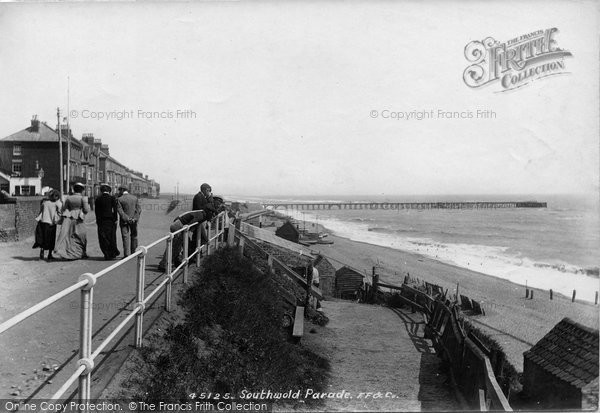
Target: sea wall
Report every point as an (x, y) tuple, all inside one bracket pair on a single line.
[(17, 221)]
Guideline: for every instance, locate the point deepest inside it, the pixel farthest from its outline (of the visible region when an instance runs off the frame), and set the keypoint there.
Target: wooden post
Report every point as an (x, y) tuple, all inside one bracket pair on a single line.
[(231, 236), (458, 294), (551, 293), (526, 292), (375, 284), (241, 246), (596, 299), (531, 298), (309, 278), (573, 299), (270, 263)]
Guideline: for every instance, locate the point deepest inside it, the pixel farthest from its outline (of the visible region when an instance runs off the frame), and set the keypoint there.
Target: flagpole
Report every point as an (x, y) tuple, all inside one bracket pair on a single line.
[(60, 155), (68, 140)]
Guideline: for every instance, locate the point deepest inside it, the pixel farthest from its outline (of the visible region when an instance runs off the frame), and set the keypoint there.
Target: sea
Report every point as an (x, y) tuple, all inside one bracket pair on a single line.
[(556, 248)]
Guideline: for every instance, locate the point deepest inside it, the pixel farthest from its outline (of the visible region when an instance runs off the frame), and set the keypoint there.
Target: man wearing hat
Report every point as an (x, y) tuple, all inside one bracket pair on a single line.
[(106, 219), (129, 211), (203, 200)]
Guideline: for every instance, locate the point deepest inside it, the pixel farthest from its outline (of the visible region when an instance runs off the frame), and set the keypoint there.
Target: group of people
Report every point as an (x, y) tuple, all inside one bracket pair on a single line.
[(205, 207), (71, 241)]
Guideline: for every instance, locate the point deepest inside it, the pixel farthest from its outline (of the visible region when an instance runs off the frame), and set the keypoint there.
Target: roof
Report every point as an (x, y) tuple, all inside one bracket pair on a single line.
[(569, 351), (44, 134), (347, 270), (287, 225)]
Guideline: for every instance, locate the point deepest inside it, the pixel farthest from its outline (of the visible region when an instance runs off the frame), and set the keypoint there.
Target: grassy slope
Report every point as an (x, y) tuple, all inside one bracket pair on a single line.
[(231, 340)]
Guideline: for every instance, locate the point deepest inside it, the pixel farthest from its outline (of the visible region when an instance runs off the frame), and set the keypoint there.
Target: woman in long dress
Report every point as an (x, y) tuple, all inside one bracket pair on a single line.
[(72, 240), (45, 231)]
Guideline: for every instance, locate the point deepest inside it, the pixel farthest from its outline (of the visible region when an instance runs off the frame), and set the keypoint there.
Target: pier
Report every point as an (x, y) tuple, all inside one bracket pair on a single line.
[(402, 205)]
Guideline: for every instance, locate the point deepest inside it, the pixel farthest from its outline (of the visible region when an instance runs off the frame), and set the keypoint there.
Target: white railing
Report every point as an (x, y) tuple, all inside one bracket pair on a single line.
[(86, 284)]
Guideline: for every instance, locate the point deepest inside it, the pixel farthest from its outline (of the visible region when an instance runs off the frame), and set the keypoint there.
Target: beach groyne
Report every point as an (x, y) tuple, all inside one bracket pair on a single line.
[(403, 205)]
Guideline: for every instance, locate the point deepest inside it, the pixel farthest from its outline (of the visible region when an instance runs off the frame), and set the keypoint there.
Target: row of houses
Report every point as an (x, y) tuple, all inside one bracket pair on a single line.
[(29, 163)]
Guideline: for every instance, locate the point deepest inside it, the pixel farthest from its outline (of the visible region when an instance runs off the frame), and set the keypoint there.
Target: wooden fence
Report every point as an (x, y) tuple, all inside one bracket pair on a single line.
[(470, 365)]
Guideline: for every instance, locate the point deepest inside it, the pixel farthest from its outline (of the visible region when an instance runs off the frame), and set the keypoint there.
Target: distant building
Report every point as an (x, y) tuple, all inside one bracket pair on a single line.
[(288, 231), (561, 370), (347, 282), (31, 152), (29, 162)]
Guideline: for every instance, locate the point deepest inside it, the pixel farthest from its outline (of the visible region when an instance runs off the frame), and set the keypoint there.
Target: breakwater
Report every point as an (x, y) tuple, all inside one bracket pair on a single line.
[(402, 205)]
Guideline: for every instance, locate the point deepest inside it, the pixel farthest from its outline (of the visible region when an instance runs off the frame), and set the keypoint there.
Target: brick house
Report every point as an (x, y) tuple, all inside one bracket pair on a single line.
[(561, 370), (33, 154)]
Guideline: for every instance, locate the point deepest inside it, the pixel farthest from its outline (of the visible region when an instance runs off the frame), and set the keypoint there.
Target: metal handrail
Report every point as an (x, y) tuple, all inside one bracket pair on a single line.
[(86, 284)]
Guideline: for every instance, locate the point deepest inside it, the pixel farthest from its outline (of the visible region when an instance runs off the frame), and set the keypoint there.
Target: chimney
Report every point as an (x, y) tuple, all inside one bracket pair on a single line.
[(88, 138), (65, 131), (104, 148), (35, 124)]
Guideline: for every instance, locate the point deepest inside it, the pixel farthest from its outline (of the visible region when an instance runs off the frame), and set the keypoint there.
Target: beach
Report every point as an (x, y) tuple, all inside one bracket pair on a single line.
[(514, 321)]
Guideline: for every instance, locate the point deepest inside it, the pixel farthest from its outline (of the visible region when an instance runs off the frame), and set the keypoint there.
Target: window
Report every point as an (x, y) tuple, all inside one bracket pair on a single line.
[(17, 150), (25, 190), (83, 171), (17, 166)]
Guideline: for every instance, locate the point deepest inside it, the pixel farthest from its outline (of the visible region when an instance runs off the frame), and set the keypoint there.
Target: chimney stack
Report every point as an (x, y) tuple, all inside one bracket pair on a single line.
[(104, 148), (35, 124)]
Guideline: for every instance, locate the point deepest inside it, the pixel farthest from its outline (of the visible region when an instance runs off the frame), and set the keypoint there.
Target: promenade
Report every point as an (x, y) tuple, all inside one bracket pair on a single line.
[(380, 359), (41, 352)]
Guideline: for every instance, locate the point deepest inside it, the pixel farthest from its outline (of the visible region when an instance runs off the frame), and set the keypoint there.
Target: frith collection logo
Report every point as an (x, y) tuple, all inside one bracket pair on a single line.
[(514, 63)]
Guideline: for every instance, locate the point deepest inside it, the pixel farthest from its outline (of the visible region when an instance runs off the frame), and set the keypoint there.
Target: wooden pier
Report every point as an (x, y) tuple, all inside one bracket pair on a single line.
[(403, 205)]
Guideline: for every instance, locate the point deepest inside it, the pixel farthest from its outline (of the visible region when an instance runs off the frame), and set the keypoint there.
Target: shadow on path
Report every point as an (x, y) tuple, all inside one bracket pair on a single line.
[(435, 391), (152, 313)]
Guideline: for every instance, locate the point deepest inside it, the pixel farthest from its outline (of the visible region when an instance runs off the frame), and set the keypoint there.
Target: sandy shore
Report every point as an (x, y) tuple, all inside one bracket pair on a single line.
[(515, 322)]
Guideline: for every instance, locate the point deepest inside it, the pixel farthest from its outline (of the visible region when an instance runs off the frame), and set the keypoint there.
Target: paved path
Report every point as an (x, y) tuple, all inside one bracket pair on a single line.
[(374, 349), (38, 355)]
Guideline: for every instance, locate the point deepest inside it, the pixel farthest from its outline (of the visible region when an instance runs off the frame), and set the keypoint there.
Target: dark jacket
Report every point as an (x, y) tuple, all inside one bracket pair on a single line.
[(191, 217), (200, 201), (106, 207)]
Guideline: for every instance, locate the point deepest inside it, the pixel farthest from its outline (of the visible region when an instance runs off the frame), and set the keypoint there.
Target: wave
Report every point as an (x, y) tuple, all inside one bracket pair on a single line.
[(390, 230), (497, 261)]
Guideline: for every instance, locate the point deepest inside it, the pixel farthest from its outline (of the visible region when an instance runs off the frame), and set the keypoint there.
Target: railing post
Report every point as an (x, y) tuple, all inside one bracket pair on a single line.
[(85, 336), (208, 235), (221, 226), (186, 233), (169, 272), (141, 276), (217, 234), (198, 246)]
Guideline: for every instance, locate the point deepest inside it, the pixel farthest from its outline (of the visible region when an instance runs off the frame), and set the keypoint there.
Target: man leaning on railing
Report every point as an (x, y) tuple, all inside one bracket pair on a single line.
[(187, 218)]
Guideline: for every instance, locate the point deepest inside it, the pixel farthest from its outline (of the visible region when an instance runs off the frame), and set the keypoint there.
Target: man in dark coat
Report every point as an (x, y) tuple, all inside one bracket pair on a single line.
[(105, 208), (129, 211), (203, 200)]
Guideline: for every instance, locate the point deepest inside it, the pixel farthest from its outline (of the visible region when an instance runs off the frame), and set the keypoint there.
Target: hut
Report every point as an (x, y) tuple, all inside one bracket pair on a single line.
[(561, 370), (326, 276), (288, 231), (347, 282)]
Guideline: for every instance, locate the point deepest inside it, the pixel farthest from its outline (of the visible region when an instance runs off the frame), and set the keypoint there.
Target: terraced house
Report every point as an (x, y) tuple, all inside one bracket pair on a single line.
[(30, 163)]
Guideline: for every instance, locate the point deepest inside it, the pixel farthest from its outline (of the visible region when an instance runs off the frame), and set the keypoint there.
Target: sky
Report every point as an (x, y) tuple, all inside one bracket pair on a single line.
[(297, 97)]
